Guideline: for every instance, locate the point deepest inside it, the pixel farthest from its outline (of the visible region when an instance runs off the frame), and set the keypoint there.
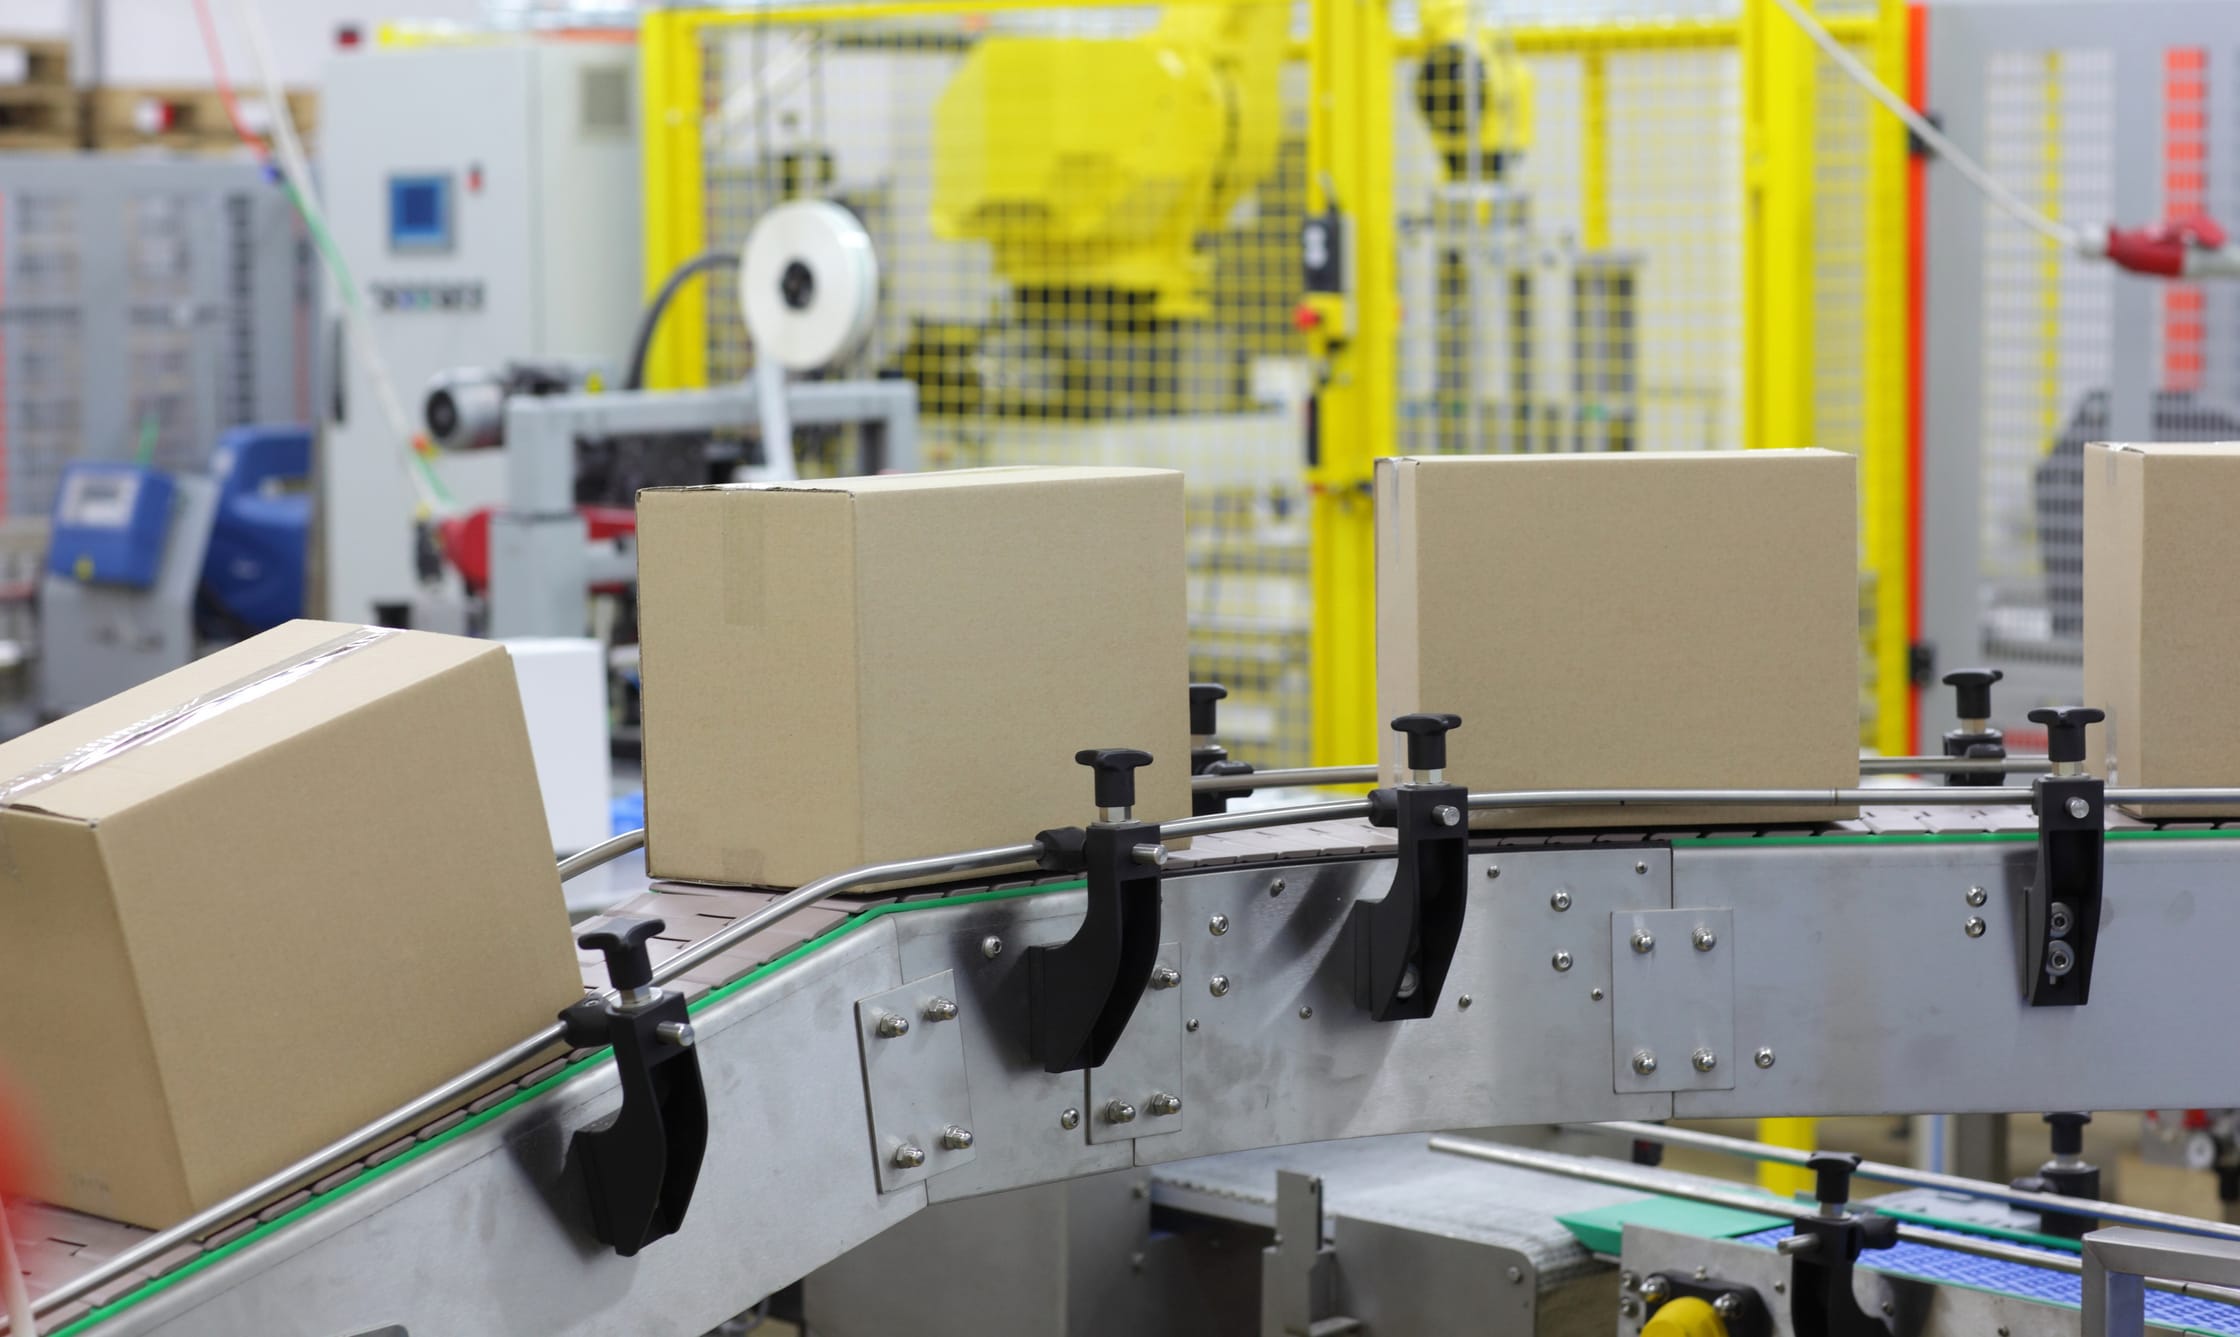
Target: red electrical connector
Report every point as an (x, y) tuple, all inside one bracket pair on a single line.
[(2189, 246)]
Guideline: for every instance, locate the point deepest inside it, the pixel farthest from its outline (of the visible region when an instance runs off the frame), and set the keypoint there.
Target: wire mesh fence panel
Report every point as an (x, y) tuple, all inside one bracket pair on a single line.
[(1087, 223)]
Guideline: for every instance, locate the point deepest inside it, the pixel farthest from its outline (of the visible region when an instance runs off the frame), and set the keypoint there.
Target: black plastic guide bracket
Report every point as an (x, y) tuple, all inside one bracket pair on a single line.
[(1081, 992), (641, 1163), (1975, 739), (1823, 1249), (1404, 943), (1206, 756), (2068, 1174), (2061, 918)]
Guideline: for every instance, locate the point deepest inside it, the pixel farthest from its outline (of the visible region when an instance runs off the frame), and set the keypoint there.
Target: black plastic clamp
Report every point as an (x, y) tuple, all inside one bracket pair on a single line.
[(1823, 1248), (2061, 917), (1404, 943), (1206, 756), (1082, 991), (2068, 1174), (641, 1163), (1975, 739)]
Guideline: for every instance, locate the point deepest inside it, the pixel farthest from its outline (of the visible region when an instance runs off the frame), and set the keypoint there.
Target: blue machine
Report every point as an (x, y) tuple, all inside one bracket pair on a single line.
[(253, 577), (110, 522)]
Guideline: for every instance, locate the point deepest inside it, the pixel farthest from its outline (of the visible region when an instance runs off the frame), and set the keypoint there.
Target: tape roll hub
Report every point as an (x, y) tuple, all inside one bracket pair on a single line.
[(808, 284)]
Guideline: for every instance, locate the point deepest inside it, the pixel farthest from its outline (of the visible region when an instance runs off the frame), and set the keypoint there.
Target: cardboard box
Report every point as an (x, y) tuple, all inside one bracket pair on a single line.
[(263, 899), (2162, 617), (1634, 621), (870, 669)]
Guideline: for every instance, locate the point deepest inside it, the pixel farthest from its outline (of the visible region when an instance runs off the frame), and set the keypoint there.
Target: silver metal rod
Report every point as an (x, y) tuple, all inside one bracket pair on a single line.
[(1294, 815), (2114, 1213), (606, 851), (1926, 796), (1280, 779), (2136, 796), (1952, 765)]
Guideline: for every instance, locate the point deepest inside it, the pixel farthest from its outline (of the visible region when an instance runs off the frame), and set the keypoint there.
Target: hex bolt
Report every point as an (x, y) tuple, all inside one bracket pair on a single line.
[(1446, 814), (1644, 942), (1463, 1002), (1069, 1118), (991, 947), (1764, 1057), (2080, 808), (1162, 1104), (1119, 1111), (1977, 896), (1644, 1062), (1655, 1288), (907, 1157), (1218, 925), (1218, 986), (1703, 938), (1165, 977), (1704, 1060), (678, 1033), (893, 1025), (1974, 927), (1561, 961), (1560, 901), (957, 1137), (941, 1009)]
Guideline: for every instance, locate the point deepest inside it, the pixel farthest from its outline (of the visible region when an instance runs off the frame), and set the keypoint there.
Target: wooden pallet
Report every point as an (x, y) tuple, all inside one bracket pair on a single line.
[(189, 120), (40, 116), (43, 60)]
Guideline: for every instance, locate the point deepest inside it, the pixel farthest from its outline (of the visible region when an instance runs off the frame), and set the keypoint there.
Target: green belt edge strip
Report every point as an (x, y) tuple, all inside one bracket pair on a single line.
[(335, 1195), (324, 1200)]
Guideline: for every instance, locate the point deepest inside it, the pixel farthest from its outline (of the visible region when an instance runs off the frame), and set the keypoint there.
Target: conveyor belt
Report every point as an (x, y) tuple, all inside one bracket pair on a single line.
[(64, 1245)]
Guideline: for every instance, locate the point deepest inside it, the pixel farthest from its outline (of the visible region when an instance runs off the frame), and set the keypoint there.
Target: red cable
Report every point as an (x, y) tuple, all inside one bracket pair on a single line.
[(219, 79)]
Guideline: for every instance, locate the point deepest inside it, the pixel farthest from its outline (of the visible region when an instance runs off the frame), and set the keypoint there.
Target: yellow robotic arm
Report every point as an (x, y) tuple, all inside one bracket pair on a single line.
[(1470, 77)]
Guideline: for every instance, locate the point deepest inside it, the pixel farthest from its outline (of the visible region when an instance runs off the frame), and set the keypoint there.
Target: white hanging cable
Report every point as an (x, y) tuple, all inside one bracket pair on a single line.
[(1944, 148), (288, 153)]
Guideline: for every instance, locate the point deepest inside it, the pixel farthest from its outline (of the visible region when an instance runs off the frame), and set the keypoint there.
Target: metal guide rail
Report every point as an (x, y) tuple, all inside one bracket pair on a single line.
[(866, 1056)]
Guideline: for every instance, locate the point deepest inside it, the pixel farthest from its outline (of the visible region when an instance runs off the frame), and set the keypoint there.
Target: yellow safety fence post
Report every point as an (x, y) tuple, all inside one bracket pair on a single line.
[(1885, 462), (675, 224), (1349, 166)]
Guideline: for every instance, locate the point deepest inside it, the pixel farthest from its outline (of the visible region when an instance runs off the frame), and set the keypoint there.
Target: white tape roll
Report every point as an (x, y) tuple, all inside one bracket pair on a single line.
[(808, 283)]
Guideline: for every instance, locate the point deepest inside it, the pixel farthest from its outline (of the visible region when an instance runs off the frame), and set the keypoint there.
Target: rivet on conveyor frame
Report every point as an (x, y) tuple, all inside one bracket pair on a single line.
[(1082, 991), (1975, 739), (1404, 943), (640, 1164), (2061, 917), (1206, 756)]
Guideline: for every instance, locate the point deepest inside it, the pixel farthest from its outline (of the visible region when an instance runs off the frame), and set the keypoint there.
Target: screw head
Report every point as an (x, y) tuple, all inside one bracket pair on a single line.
[(1889, 1307), (1703, 938), (1595, 993), (1628, 1306), (1119, 1111), (1493, 870), (893, 1025), (1516, 1276), (1560, 901), (1069, 1118), (1561, 961), (957, 1137), (1305, 1012), (1642, 869), (1191, 1025), (2080, 808), (1218, 925), (1763, 1058), (1627, 1280), (1464, 1002), (991, 947), (1275, 888), (1165, 977), (678, 1033), (1644, 1062), (941, 1009), (1977, 895), (1163, 1104), (907, 1157), (1218, 986), (1704, 1060), (1727, 1306), (1410, 981), (2060, 960), (1974, 927), (1655, 1288), (1644, 942)]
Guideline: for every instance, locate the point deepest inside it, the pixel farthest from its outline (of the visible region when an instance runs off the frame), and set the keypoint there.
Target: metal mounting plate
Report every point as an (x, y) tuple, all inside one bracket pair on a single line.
[(1672, 1005), (915, 1080), (1145, 1065)]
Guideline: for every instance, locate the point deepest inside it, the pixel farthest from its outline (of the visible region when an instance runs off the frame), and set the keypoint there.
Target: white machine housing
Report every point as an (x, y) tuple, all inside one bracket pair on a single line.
[(486, 198)]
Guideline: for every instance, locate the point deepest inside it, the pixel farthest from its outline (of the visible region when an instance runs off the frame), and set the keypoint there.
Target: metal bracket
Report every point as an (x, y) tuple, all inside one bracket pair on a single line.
[(1137, 1091), (1672, 1000), (1404, 943), (1298, 1274), (2061, 914), (2118, 1261), (1082, 991), (914, 1075)]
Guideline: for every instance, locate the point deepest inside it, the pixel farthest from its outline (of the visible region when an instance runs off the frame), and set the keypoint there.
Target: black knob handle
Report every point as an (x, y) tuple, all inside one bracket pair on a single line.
[(1202, 697), (1831, 1172), (2068, 1131), (1427, 739), (1877, 1231), (1116, 773), (623, 941), (1972, 687), (2065, 729)]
